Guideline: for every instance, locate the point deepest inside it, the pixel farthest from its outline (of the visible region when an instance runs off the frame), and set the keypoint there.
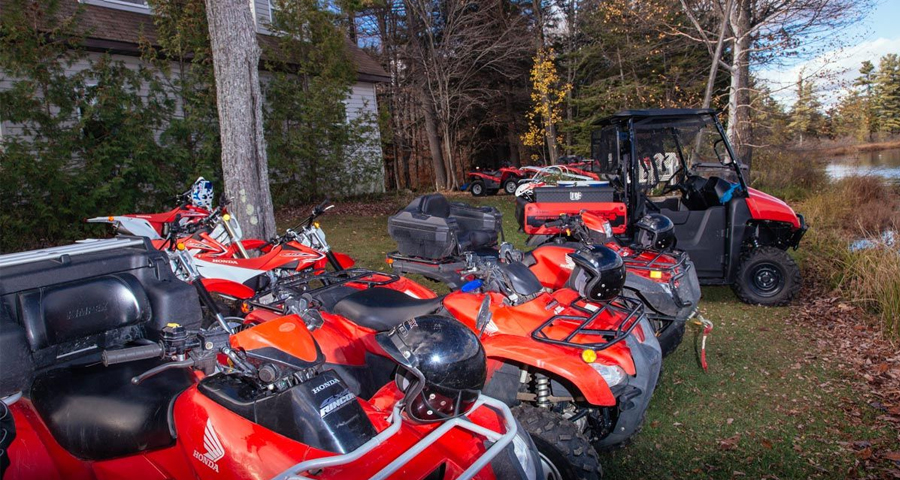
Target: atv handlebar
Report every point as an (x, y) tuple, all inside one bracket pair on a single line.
[(132, 354)]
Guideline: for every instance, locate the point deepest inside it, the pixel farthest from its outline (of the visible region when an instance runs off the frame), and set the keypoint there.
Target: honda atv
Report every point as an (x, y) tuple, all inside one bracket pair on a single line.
[(678, 163), (487, 182), (579, 371), (108, 377), (663, 278), (438, 240)]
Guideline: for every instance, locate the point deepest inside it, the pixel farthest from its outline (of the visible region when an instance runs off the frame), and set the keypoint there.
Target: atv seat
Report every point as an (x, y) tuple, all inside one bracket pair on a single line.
[(381, 309), (433, 228), (95, 413)]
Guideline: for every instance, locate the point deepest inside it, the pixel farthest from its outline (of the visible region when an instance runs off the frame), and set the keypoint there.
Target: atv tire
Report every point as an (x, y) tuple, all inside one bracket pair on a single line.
[(510, 186), (670, 336), (562, 446), (767, 276), (477, 188)]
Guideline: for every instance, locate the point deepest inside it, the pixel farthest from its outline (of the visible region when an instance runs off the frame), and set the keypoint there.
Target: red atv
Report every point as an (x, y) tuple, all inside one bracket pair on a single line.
[(661, 277), (678, 163), (107, 376), (580, 372), (438, 239), (488, 182)]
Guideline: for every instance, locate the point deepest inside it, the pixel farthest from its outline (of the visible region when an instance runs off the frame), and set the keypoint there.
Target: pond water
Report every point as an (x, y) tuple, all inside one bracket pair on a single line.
[(883, 163)]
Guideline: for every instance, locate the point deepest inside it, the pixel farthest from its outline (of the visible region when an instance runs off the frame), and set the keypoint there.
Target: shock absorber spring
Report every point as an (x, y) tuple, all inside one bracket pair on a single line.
[(542, 390)]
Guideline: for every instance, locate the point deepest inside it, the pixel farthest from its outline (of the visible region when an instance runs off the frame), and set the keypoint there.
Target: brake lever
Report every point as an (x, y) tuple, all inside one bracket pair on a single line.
[(188, 363)]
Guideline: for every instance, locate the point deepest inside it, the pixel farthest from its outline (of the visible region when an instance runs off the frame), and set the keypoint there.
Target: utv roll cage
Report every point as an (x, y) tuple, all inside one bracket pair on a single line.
[(633, 120)]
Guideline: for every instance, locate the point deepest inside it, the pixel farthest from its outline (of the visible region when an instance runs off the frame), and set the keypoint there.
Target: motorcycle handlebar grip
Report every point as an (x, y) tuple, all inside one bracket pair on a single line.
[(132, 354)]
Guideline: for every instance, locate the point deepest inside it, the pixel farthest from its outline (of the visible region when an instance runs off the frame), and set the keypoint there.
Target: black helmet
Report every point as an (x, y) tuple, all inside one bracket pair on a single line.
[(443, 366), (599, 273), (655, 231)]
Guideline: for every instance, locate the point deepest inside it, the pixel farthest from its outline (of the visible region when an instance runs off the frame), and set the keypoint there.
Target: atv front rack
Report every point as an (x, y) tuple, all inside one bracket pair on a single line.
[(500, 441), (576, 330)]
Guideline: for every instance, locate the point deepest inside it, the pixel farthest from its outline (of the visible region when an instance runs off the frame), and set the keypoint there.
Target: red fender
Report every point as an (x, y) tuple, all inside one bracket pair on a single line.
[(345, 260), (560, 361), (227, 287)]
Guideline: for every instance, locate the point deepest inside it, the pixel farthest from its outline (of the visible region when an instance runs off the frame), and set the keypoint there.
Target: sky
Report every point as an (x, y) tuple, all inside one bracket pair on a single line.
[(877, 35)]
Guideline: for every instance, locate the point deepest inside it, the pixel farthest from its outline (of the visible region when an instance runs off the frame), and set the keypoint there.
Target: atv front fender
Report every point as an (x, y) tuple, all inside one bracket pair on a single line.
[(563, 363)]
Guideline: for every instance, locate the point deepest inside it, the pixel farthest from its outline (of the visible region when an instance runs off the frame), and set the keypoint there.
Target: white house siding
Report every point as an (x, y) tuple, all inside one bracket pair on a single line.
[(11, 129), (363, 102)]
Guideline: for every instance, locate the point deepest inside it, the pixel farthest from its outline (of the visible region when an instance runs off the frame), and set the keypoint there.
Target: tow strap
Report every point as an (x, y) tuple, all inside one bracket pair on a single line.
[(706, 328)]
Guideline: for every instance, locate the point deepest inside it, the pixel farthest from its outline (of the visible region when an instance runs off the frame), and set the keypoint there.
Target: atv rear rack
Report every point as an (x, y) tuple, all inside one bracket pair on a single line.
[(500, 441), (654, 264), (575, 326)]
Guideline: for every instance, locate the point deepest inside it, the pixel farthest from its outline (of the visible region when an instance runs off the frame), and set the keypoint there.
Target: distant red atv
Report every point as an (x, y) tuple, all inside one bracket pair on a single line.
[(488, 182)]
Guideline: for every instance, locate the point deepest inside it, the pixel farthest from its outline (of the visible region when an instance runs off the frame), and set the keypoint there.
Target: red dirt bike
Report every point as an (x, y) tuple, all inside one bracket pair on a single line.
[(102, 387), (489, 182), (154, 225), (579, 373)]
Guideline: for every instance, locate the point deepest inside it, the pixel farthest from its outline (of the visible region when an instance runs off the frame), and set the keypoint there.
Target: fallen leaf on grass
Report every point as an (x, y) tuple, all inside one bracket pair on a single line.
[(729, 421), (864, 454), (893, 456), (766, 444), (729, 443)]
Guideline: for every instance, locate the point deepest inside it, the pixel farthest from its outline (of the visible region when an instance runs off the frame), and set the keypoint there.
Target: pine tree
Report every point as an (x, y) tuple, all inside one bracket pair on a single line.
[(866, 81), (887, 93), (805, 116)]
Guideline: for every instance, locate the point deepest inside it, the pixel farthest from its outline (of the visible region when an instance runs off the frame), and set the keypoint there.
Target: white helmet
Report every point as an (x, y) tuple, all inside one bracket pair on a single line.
[(202, 193)]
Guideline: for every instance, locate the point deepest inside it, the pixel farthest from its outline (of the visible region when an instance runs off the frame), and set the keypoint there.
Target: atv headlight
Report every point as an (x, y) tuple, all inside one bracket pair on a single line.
[(613, 374), (525, 456)]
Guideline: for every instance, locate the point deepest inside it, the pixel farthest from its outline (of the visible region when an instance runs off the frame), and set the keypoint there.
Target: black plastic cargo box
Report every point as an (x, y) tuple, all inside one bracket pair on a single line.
[(433, 228)]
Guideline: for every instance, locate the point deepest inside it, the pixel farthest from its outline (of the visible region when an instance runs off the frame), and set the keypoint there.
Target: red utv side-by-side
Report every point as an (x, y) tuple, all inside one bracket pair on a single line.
[(679, 163)]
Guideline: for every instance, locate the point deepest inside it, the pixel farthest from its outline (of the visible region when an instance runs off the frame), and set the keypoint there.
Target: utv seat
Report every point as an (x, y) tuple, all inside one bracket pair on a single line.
[(381, 309), (433, 228)]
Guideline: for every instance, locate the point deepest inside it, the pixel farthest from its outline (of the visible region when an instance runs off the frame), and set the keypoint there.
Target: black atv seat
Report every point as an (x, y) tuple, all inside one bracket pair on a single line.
[(431, 227), (95, 413), (381, 309)]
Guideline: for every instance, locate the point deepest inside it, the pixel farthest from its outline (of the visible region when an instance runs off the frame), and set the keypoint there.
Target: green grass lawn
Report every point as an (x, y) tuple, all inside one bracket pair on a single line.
[(770, 406)]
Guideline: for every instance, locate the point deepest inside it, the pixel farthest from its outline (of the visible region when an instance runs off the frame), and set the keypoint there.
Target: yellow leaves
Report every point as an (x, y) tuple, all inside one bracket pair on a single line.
[(547, 95)]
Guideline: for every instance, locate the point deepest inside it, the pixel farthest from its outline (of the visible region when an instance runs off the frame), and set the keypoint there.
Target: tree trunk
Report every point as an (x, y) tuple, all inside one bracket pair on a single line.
[(245, 169), (717, 56), (434, 143), (739, 130)]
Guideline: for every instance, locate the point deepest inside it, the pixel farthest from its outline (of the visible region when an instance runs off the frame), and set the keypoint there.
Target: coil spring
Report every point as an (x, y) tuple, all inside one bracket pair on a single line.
[(542, 390)]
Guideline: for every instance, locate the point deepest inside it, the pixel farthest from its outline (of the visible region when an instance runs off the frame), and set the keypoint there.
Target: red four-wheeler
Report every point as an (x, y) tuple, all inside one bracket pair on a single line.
[(679, 163), (107, 376), (488, 182)]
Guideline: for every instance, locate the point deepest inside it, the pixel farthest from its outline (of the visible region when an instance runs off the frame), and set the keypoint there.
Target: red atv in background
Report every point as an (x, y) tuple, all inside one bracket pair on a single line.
[(489, 182), (679, 163), (108, 376)]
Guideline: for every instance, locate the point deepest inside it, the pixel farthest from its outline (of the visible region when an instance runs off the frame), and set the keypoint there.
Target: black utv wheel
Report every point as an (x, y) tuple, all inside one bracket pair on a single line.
[(477, 188), (767, 276), (565, 452), (510, 186)]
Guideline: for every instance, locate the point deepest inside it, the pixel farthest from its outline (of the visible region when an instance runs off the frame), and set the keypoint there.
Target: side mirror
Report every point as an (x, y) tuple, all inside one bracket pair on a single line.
[(484, 315)]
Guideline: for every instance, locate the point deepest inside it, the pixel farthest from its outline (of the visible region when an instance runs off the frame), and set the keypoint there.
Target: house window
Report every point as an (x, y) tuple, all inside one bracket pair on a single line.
[(140, 6)]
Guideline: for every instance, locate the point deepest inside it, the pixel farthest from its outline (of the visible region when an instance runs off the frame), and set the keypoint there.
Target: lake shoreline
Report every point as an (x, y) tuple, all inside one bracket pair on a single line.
[(851, 149)]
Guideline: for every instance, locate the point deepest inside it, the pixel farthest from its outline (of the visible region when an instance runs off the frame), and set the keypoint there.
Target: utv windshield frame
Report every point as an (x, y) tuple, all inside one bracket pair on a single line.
[(627, 124)]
